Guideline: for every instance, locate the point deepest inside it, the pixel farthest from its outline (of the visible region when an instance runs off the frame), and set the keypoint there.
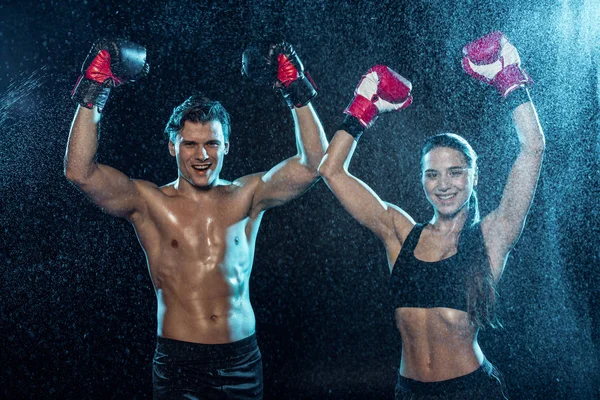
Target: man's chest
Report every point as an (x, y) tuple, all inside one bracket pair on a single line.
[(208, 227)]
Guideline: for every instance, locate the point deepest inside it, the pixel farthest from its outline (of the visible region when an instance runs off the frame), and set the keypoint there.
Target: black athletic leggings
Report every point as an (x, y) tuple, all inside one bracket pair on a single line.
[(485, 383)]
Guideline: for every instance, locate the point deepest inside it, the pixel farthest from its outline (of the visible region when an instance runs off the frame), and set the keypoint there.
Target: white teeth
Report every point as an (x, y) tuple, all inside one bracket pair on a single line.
[(445, 197), (200, 167)]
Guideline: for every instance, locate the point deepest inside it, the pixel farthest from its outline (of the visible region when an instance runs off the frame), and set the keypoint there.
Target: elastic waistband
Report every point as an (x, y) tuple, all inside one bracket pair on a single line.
[(447, 386), (190, 350)]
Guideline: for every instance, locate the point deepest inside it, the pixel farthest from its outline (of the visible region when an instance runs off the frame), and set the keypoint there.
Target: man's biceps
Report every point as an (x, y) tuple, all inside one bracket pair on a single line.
[(123, 206)]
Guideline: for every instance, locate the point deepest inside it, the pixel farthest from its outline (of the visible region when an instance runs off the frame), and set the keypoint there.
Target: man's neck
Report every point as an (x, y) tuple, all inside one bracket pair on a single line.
[(185, 188)]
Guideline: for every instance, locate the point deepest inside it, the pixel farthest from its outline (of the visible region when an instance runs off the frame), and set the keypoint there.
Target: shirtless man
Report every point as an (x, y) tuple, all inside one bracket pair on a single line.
[(198, 232)]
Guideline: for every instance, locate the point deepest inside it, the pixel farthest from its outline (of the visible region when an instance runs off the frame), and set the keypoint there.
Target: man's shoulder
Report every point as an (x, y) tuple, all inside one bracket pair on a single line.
[(247, 181), (144, 187), (168, 189)]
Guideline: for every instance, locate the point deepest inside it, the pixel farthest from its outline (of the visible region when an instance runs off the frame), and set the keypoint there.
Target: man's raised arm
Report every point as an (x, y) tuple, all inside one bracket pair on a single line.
[(291, 177), (109, 64)]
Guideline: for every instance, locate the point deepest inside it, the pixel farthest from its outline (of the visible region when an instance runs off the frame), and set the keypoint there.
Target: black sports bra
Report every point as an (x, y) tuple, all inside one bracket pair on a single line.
[(416, 283)]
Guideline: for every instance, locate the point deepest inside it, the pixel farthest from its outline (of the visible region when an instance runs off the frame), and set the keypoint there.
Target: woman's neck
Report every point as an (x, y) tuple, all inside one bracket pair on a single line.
[(446, 225)]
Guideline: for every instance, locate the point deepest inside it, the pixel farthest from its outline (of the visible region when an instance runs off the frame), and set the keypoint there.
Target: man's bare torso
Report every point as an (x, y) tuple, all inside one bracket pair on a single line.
[(198, 232), (200, 250)]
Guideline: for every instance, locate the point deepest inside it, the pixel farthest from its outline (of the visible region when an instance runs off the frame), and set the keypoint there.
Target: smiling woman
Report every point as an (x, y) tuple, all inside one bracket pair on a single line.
[(443, 272), (449, 169), (449, 178)]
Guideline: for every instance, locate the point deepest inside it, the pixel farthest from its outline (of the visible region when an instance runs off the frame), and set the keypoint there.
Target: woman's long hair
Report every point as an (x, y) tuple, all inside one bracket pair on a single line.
[(480, 284)]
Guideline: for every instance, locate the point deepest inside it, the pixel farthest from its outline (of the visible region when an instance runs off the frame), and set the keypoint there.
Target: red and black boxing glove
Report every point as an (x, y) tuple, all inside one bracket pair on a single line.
[(494, 60), (280, 68), (297, 87), (110, 63), (379, 91)]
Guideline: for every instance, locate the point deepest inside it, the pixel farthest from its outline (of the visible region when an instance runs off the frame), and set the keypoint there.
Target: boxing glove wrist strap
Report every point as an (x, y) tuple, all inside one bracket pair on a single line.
[(89, 93), (300, 92), (352, 126), (517, 97), (510, 78)]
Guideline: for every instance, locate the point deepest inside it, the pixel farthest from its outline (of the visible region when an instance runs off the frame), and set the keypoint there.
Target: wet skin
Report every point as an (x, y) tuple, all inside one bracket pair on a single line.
[(441, 343), (198, 232), (434, 339), (200, 251)]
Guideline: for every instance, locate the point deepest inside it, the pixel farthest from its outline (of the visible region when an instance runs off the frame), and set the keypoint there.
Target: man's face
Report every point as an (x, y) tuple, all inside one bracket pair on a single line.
[(447, 180), (199, 149)]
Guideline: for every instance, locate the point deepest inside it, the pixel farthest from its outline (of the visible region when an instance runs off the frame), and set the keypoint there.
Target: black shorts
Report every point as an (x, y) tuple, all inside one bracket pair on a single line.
[(184, 370), (485, 383)]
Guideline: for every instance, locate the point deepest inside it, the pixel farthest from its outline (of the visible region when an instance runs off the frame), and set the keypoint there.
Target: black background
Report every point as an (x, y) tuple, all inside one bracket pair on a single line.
[(77, 309)]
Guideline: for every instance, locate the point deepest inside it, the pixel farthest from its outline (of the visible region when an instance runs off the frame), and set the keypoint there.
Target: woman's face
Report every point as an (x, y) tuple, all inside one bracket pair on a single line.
[(447, 180)]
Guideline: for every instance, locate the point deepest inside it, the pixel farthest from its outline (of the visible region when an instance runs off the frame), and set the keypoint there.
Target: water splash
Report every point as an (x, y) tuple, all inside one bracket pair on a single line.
[(16, 106), (19, 90)]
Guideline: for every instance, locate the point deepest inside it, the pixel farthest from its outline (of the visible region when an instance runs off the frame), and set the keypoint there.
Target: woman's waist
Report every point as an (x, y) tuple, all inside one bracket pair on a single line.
[(431, 360)]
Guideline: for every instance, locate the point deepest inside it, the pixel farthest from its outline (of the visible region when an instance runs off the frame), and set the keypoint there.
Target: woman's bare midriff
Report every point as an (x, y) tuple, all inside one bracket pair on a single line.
[(437, 343)]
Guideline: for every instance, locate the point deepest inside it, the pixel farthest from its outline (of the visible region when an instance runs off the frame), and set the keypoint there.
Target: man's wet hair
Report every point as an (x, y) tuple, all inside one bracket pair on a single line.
[(197, 108)]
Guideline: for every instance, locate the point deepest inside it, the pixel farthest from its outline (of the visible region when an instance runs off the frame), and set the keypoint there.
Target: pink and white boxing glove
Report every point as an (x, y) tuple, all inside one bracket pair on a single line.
[(380, 90), (494, 60)]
